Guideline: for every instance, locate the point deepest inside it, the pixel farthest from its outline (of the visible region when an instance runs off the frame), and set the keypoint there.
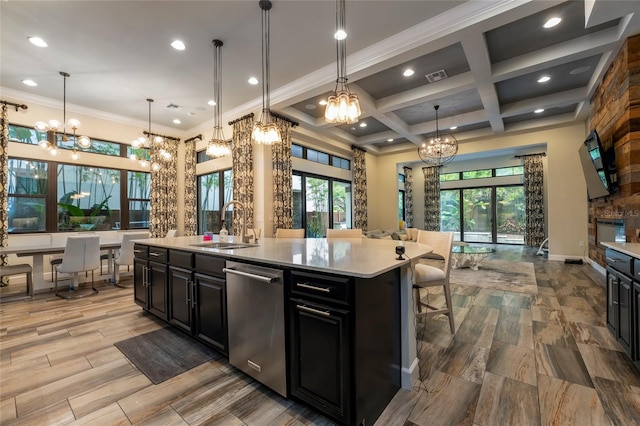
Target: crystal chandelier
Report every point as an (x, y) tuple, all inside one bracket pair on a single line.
[(154, 143), (217, 146), (343, 106), (440, 149), (52, 126), (265, 131)]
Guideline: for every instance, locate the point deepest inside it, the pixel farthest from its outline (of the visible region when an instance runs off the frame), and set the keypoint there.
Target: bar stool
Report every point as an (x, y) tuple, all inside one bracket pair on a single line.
[(425, 276), (289, 233)]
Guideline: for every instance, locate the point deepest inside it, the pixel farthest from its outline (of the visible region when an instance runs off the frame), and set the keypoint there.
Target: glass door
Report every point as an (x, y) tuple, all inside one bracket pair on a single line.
[(478, 215)]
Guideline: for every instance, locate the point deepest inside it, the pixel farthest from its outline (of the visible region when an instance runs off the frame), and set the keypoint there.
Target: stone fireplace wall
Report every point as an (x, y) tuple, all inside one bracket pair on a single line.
[(615, 114)]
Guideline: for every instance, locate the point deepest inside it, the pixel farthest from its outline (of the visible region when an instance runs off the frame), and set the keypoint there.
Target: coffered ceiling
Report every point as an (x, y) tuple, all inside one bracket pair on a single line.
[(483, 58)]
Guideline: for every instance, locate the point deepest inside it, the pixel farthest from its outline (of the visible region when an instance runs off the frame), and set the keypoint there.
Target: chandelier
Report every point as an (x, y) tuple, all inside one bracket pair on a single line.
[(342, 106), (440, 149), (51, 128), (217, 146), (154, 143), (265, 131)]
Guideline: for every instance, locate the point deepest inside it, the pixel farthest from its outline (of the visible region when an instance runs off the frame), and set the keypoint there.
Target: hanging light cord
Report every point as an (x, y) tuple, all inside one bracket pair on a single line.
[(266, 26), (341, 48), (436, 107), (217, 83)]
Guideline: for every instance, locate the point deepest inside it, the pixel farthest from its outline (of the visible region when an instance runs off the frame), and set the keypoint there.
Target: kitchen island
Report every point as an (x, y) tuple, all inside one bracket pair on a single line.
[(348, 311)]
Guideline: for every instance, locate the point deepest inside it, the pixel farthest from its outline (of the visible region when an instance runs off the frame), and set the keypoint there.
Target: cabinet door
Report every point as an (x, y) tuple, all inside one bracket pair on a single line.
[(612, 301), (139, 283), (180, 295), (320, 357), (624, 313), (636, 322), (211, 311), (157, 281)]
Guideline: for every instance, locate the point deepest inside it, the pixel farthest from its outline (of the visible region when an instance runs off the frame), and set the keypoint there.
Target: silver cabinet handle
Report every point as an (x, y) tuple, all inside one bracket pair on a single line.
[(137, 251), (145, 276), (194, 294), (155, 254), (250, 275), (313, 311), (611, 259), (313, 287), (187, 287)]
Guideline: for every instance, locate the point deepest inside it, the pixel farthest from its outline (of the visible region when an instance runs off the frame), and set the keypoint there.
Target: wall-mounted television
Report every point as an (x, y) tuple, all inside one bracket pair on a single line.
[(599, 167)]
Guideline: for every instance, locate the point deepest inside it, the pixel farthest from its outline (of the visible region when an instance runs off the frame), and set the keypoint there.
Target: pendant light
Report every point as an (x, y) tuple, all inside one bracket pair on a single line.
[(154, 143), (342, 106), (52, 126), (440, 149), (265, 131), (217, 146)]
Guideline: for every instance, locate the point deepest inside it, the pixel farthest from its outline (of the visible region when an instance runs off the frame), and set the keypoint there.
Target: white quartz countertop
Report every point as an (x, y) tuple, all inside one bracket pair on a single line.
[(356, 257), (632, 249)]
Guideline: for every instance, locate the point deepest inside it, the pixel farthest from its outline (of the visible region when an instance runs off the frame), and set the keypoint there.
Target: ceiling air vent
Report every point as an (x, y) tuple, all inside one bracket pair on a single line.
[(436, 76), (174, 106)]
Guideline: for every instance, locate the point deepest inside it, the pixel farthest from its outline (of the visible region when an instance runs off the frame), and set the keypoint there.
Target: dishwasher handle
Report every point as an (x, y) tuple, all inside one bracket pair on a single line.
[(262, 278)]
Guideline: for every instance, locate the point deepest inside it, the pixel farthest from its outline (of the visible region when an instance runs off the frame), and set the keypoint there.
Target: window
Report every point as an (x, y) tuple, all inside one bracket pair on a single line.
[(477, 174), (214, 189), (138, 186), (402, 178), (319, 157), (510, 171), (445, 177), (401, 204), (314, 197), (27, 195), (88, 198)]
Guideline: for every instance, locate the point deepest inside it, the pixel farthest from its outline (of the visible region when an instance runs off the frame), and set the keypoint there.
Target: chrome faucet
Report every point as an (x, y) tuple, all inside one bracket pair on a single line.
[(243, 208)]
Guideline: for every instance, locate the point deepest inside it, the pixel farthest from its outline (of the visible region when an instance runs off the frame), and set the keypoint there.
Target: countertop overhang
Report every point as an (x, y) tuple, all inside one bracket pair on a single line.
[(356, 257)]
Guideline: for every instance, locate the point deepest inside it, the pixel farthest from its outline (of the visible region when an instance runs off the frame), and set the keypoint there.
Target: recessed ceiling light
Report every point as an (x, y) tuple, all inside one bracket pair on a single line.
[(539, 110), (37, 41), (544, 79), (322, 102), (363, 124), (390, 140), (408, 72), (453, 127), (178, 45), (28, 82), (580, 70), (552, 22), (310, 106), (176, 121), (253, 81), (340, 35), (353, 128), (212, 102)]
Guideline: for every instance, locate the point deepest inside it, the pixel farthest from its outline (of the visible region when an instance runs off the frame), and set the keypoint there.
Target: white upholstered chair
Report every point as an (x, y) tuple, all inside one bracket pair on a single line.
[(81, 254), (125, 255), (289, 233), (172, 233), (344, 233), (425, 275)]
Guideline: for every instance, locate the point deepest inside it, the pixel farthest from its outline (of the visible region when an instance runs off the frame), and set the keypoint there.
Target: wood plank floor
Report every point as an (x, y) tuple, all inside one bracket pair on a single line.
[(516, 359)]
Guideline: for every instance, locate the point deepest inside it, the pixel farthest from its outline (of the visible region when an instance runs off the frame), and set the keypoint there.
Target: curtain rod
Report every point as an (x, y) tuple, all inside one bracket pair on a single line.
[(16, 106), (171, 138), (544, 154), (232, 122), (283, 118), (357, 147), (198, 136)]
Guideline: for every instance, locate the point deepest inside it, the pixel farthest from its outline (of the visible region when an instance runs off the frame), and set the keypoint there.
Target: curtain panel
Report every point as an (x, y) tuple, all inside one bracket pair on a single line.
[(282, 175), (190, 189), (359, 189), (164, 192), (534, 233), (408, 197), (431, 198), (242, 160), (4, 186)]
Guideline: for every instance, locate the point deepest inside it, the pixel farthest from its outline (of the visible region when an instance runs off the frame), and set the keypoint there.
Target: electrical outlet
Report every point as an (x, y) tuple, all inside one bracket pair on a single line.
[(581, 243)]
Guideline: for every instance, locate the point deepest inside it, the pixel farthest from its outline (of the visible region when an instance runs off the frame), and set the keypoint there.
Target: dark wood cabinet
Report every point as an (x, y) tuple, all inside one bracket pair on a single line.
[(180, 297), (210, 324), (636, 324), (320, 357), (344, 343), (150, 279)]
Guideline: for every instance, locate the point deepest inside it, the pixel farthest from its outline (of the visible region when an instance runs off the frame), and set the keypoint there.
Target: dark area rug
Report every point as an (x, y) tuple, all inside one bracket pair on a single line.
[(165, 353)]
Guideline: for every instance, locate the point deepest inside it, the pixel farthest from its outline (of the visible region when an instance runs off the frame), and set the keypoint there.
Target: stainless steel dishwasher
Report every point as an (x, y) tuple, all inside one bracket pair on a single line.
[(255, 311)]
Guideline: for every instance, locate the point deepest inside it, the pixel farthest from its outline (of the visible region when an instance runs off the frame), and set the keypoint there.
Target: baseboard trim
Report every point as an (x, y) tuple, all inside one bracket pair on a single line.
[(407, 377)]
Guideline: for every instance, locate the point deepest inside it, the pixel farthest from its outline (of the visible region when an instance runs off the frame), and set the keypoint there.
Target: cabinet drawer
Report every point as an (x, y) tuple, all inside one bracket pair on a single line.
[(181, 259), (619, 261), (636, 269), (322, 287), (209, 265), (141, 251), (158, 254)]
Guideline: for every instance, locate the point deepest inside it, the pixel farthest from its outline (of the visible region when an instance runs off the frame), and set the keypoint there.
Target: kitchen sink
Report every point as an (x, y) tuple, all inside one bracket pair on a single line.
[(224, 246)]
